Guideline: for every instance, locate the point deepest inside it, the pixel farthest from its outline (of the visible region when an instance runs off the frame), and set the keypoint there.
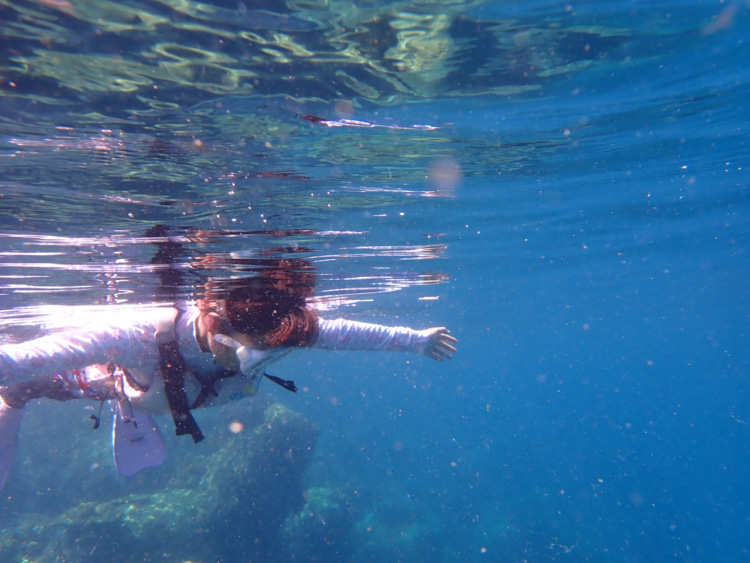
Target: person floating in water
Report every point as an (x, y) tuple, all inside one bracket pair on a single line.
[(187, 355)]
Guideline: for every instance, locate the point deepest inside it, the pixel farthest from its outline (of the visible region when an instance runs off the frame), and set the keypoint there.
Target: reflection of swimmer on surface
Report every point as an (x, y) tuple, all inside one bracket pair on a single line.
[(184, 356)]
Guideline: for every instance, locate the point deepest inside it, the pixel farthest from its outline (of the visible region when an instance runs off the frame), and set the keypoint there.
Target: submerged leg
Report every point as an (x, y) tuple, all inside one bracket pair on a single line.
[(16, 396), (10, 422), (95, 382)]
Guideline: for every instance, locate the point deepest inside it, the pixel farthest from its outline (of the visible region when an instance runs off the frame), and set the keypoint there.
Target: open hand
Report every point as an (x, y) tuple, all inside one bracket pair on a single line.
[(441, 345)]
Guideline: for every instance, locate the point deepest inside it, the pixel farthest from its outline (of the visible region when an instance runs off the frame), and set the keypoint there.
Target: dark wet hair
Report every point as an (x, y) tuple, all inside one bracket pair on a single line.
[(272, 305)]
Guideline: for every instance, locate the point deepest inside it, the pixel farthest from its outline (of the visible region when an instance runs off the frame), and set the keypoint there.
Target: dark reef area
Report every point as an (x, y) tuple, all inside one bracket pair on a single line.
[(249, 500)]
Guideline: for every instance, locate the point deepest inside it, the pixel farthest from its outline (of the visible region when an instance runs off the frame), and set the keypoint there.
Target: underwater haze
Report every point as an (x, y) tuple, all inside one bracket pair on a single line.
[(562, 185)]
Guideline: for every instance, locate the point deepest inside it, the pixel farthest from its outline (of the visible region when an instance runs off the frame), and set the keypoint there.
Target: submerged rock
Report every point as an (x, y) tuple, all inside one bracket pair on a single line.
[(396, 528), (322, 530), (231, 504), (344, 524)]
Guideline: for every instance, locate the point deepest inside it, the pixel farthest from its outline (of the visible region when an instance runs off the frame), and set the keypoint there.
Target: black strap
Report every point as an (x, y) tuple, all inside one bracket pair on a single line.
[(287, 384), (171, 362), (206, 390), (208, 387), (97, 418), (172, 366)]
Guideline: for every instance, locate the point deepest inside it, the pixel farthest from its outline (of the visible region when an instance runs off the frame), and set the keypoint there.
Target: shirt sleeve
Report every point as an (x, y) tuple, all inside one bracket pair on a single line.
[(72, 350), (341, 334)]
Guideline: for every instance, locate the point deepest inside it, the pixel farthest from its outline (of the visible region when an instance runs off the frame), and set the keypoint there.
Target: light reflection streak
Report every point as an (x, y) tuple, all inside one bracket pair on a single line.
[(383, 190), (364, 124), (88, 268), (105, 241), (99, 143), (417, 252), (13, 254), (101, 269), (22, 288), (58, 317), (113, 241)]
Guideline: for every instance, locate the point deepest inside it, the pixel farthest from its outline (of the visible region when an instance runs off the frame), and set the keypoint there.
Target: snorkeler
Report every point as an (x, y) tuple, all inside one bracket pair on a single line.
[(180, 357)]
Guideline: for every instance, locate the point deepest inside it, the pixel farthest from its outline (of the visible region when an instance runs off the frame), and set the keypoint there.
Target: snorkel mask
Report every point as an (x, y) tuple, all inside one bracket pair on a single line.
[(250, 360)]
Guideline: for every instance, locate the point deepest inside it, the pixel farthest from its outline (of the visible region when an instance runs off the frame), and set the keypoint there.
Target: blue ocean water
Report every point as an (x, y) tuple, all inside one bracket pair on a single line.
[(576, 214)]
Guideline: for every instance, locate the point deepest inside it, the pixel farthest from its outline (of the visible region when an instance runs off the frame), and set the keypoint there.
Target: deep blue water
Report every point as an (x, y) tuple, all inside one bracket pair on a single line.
[(594, 269)]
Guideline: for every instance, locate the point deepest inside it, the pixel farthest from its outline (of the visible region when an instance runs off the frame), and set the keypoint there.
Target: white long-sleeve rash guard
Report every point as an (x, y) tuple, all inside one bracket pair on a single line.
[(132, 343), (341, 334)]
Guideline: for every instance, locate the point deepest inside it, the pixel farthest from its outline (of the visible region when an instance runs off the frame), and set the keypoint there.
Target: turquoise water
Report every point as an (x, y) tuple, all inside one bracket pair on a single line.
[(563, 186)]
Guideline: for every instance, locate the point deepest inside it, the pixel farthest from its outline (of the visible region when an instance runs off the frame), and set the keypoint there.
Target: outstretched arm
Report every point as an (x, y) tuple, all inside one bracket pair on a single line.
[(131, 344), (61, 351), (341, 334)]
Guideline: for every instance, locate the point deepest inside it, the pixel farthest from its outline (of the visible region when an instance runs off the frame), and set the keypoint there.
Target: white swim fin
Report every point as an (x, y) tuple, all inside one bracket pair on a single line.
[(136, 441), (10, 422)]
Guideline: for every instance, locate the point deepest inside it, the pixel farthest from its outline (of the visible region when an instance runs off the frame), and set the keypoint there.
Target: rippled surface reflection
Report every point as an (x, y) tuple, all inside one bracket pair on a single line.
[(270, 120)]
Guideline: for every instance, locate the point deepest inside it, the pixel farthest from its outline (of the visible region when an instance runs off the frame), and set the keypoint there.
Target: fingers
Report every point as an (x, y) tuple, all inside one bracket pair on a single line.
[(446, 337), (443, 351), (447, 343), (443, 345)]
